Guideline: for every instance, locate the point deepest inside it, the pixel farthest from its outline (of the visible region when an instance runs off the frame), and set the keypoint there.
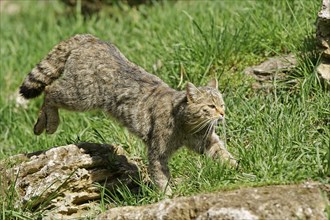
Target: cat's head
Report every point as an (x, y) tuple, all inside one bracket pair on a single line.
[(205, 104)]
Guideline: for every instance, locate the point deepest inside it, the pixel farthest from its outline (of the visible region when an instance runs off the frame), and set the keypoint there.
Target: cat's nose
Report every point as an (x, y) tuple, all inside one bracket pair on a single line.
[(222, 114)]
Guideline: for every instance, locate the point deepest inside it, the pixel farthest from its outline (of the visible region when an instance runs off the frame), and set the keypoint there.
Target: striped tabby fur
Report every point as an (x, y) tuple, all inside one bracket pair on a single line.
[(84, 73)]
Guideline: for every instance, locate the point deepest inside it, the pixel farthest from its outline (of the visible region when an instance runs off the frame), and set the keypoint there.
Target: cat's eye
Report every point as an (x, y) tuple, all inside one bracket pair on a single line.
[(211, 106)]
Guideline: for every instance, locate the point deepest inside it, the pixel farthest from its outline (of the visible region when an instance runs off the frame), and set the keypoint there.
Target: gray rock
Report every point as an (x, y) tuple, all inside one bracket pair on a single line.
[(272, 67), (303, 201), (62, 182), (323, 37)]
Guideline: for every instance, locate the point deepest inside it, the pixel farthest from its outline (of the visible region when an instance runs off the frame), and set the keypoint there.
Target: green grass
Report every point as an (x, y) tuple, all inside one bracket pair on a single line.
[(280, 137)]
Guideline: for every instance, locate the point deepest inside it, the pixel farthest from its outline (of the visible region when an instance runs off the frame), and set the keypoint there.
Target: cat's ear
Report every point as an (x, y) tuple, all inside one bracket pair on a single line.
[(213, 83), (192, 92)]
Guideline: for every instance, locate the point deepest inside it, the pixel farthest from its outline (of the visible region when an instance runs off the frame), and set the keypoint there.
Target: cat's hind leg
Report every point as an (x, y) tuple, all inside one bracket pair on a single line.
[(48, 119)]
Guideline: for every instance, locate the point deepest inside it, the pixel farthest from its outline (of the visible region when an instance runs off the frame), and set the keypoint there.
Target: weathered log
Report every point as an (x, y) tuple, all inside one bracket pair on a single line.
[(65, 181), (323, 36), (272, 202)]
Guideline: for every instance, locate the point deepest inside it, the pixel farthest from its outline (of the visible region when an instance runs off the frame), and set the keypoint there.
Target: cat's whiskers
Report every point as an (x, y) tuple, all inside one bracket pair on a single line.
[(207, 133), (200, 126), (210, 121), (196, 124), (209, 129)]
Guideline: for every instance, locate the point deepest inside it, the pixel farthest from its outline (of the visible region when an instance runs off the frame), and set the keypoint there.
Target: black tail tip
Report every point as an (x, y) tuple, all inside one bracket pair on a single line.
[(30, 93)]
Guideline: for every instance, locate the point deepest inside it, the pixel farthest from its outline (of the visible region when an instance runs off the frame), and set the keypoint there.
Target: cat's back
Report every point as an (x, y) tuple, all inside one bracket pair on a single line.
[(52, 66), (96, 58), (97, 75)]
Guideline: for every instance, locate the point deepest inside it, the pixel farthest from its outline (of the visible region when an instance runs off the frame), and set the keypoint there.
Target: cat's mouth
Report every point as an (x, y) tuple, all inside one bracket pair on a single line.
[(220, 118)]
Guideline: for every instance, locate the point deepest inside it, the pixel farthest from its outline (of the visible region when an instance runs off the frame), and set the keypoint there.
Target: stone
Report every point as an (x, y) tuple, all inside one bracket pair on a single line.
[(273, 67), (323, 37), (303, 201), (65, 182)]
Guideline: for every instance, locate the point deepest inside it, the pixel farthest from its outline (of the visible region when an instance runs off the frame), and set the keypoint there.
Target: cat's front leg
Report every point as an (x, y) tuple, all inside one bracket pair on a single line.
[(159, 172), (216, 149)]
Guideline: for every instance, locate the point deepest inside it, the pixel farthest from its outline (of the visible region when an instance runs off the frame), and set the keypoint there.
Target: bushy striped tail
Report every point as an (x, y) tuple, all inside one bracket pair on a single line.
[(52, 66)]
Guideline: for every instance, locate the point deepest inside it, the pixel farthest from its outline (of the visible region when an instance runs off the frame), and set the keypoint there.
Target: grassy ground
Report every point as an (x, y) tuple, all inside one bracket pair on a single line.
[(281, 136)]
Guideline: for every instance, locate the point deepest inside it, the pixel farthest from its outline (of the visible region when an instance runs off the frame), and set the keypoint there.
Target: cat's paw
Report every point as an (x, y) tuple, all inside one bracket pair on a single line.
[(233, 163), (168, 192)]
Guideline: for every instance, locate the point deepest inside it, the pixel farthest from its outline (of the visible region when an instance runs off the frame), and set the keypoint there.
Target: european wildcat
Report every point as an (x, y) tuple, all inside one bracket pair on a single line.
[(84, 73)]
